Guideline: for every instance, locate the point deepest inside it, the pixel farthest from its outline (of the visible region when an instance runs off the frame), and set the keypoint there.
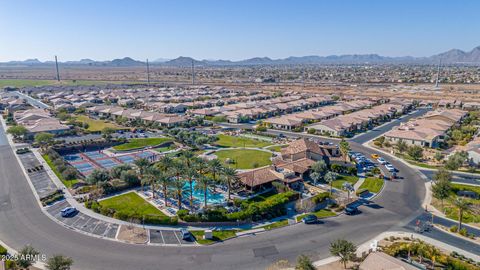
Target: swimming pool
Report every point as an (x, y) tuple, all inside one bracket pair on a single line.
[(212, 198)]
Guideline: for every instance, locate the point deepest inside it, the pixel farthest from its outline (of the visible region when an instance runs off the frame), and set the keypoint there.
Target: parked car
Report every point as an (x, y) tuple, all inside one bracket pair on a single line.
[(309, 219), (69, 211), (374, 156), (185, 234), (390, 168), (381, 161), (351, 210)]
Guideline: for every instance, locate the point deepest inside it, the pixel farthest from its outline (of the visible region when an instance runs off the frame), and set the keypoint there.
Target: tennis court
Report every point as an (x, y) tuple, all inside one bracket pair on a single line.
[(107, 163)]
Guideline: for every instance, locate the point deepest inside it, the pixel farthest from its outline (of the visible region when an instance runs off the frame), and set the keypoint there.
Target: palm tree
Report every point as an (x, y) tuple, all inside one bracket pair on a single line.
[(151, 174), (344, 147), (343, 249), (229, 176), (189, 160), (177, 170), (462, 206), (329, 178), (142, 164), (215, 166), (203, 183), (164, 164), (165, 181)]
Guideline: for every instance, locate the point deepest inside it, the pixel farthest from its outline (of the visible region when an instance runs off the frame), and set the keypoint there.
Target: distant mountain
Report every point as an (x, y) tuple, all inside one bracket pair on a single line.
[(453, 56)]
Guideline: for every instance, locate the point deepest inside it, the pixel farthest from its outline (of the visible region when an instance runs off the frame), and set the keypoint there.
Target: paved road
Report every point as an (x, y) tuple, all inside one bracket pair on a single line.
[(32, 101), (22, 222), (367, 136)]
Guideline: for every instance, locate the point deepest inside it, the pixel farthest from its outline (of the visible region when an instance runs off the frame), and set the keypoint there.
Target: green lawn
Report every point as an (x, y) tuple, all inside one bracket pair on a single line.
[(140, 143), (235, 141), (276, 148), (452, 212), (278, 224), (217, 236), (322, 213), (373, 185), (96, 125), (131, 204), (245, 158), (262, 197), (165, 149), (338, 184), (25, 83), (67, 183)]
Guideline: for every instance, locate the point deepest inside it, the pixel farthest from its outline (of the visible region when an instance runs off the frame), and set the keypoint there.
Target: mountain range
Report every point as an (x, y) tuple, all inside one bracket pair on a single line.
[(454, 56)]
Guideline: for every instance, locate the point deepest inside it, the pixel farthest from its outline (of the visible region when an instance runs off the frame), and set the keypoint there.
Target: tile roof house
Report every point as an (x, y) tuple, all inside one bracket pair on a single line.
[(304, 148), (382, 261)]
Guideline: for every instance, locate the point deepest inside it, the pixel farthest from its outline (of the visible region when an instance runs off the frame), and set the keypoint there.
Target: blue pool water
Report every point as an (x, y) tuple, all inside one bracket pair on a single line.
[(212, 198)]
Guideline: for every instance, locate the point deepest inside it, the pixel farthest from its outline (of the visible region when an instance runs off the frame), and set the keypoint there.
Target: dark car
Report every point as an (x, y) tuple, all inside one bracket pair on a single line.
[(310, 219), (350, 210)]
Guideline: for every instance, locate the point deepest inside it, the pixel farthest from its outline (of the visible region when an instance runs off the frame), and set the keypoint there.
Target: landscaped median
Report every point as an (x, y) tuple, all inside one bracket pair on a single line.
[(132, 208), (372, 184), (64, 172), (322, 213), (138, 143), (217, 236)]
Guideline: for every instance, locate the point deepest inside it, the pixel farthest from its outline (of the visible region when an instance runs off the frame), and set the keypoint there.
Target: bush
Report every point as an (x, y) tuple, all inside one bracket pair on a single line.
[(319, 198), (338, 168), (3, 251), (454, 228), (352, 170), (182, 213), (69, 173), (261, 128), (463, 232)]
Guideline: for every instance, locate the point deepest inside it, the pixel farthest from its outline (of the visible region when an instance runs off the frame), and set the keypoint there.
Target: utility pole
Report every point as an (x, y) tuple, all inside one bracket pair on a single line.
[(56, 66), (438, 74), (148, 73)]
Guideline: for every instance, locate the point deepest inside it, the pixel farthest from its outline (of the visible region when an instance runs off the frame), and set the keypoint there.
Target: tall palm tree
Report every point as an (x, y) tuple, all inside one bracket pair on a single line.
[(329, 178), (189, 160), (203, 183), (165, 181), (177, 171), (215, 166), (142, 164), (229, 176), (344, 147), (462, 206), (151, 174)]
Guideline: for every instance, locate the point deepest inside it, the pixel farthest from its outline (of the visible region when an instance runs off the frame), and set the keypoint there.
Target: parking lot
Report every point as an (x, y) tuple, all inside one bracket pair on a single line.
[(169, 237), (42, 183), (83, 222)]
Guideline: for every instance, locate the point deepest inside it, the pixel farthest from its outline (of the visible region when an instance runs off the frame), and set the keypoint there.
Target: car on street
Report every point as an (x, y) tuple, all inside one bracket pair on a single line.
[(374, 156), (309, 219), (381, 161), (351, 210), (68, 211), (389, 167)]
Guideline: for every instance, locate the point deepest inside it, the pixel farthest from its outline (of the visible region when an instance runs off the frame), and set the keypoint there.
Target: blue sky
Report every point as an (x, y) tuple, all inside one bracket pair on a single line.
[(233, 29)]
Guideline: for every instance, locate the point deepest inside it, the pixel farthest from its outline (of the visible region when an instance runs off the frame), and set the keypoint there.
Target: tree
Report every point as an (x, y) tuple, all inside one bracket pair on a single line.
[(142, 165), (320, 167), (17, 131), (107, 133), (189, 160), (229, 176), (343, 249), (59, 262), (329, 178), (43, 139), (462, 206), (26, 256), (401, 146), (441, 185), (203, 183), (69, 173), (456, 160), (442, 174), (177, 169), (151, 173), (344, 148), (129, 177), (415, 152), (304, 263), (165, 181), (116, 171), (98, 177), (438, 156), (215, 166)]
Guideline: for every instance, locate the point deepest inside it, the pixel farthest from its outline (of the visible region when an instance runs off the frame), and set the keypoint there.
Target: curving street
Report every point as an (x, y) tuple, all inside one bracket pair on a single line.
[(22, 222)]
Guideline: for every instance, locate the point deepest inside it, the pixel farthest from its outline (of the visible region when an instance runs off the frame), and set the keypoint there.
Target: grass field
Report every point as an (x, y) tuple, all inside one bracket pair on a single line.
[(140, 143), (67, 183), (338, 184), (217, 236), (276, 148), (165, 149), (322, 213), (131, 204), (245, 158), (95, 125), (28, 83), (234, 141), (373, 185)]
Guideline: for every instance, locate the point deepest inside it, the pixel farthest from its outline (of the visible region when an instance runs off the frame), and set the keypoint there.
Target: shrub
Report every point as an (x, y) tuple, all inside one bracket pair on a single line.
[(69, 173), (338, 168), (454, 228), (352, 170), (463, 232), (3, 251), (182, 213)]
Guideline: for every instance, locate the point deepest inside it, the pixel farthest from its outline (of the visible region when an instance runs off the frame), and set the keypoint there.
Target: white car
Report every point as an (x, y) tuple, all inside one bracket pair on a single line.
[(381, 161), (390, 168)]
